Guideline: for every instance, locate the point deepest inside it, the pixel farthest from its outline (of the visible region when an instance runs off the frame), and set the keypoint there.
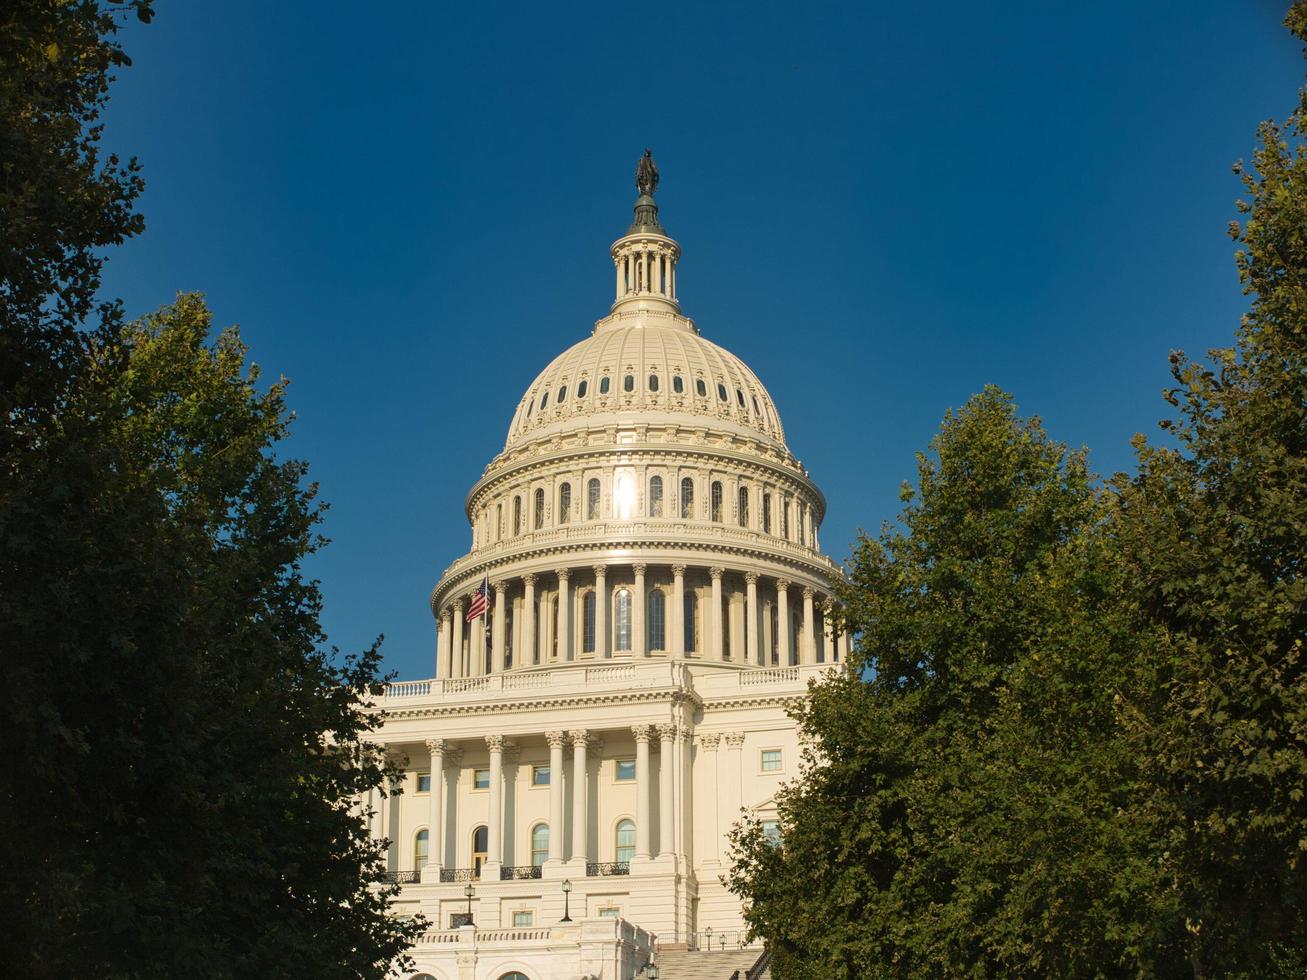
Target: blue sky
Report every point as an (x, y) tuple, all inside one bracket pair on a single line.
[(883, 207)]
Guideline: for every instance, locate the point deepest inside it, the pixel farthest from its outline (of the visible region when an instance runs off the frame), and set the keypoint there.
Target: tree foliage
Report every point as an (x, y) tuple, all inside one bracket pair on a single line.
[(1079, 743)]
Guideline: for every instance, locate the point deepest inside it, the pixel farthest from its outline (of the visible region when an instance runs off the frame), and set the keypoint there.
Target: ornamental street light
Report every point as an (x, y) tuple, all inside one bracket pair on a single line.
[(469, 893), (567, 891), (709, 939)]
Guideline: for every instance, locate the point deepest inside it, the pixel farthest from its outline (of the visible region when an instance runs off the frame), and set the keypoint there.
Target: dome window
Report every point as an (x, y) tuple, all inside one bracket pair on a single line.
[(739, 397), (562, 395), (655, 496), (603, 385), (766, 513), (539, 509), (743, 509), (592, 499), (653, 382), (701, 388), (628, 383), (678, 384), (721, 392), (582, 388), (687, 498), (715, 510), (564, 503), (756, 409), (544, 400), (530, 406)]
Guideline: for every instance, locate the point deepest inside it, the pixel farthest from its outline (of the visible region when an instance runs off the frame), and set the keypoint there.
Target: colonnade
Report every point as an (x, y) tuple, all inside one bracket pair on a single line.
[(549, 618)]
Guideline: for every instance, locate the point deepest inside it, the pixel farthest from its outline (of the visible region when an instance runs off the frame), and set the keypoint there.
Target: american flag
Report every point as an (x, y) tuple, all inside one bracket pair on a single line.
[(481, 600)]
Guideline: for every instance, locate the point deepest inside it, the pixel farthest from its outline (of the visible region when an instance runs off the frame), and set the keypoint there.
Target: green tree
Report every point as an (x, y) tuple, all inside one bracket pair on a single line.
[(189, 753)]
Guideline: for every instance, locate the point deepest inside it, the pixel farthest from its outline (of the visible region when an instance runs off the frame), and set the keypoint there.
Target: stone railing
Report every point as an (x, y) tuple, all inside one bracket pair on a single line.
[(768, 675), (564, 678)]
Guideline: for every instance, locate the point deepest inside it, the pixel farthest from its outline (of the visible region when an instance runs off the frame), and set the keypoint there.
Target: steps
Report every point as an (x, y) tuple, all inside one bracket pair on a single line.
[(699, 965)]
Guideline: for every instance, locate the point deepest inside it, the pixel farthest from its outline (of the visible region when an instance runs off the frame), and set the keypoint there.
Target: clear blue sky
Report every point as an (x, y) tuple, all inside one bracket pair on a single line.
[(883, 206)]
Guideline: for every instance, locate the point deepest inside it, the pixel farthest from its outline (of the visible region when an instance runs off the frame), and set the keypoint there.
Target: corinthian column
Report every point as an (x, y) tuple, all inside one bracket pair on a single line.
[(809, 628), (555, 740), (716, 618), (456, 650), (666, 754), (580, 796), (678, 612), (642, 815), (639, 647), (528, 621), (751, 619), (783, 622), (436, 814), (497, 627), (495, 832), (601, 611), (564, 617)]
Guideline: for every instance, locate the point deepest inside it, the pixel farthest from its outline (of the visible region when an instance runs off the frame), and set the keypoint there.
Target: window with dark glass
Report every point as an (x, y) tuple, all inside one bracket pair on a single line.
[(655, 496), (421, 845), (543, 399), (691, 621), (653, 382), (700, 387), (803, 533), (592, 500), (678, 385), (564, 503), (539, 846), (657, 631), (628, 383), (785, 516), (540, 510), (588, 623), (582, 388), (622, 620), (687, 498), (562, 395), (625, 841), (766, 513), (756, 409), (529, 406), (744, 506), (739, 397), (603, 385), (517, 515), (715, 501), (721, 392)]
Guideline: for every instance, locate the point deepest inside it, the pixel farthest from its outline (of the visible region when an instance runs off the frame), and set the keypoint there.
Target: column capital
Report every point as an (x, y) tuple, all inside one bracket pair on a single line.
[(717, 572), (555, 740), (563, 574), (639, 568), (529, 579), (580, 738), (501, 587), (600, 571), (782, 585), (710, 741), (734, 740), (809, 592), (495, 743), (642, 733), (751, 578), (446, 613), (458, 604), (666, 732), (436, 746), (678, 569)]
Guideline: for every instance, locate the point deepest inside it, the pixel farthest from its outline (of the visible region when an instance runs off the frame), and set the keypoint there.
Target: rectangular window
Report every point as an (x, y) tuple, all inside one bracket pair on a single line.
[(424, 782), (539, 775), (523, 919), (610, 913), (771, 829), (480, 778), (771, 760), (625, 770)]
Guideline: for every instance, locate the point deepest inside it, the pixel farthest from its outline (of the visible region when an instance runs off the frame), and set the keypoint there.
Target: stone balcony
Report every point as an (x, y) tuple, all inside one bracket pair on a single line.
[(598, 947)]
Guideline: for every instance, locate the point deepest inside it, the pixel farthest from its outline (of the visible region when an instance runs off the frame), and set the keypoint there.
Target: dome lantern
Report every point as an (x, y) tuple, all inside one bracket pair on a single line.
[(645, 257)]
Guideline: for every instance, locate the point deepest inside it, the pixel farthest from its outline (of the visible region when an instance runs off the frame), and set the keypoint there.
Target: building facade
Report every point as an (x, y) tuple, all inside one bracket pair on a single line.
[(647, 548)]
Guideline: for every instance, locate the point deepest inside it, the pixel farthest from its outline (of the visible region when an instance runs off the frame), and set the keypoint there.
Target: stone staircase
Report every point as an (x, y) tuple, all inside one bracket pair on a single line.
[(684, 964)]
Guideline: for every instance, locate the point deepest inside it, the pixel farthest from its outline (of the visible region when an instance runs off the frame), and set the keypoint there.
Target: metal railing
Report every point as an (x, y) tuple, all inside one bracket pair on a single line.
[(603, 869), (721, 942), (400, 877), (517, 872), (460, 874)]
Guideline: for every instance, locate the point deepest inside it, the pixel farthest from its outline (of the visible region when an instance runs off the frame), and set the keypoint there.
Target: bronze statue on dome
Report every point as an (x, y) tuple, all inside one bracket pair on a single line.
[(646, 174)]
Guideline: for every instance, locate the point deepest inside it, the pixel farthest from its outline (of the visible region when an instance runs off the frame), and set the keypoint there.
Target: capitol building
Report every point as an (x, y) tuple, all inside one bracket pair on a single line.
[(646, 550)]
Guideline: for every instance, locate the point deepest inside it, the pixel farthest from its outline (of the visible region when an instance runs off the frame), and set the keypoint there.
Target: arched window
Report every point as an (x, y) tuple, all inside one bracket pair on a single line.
[(508, 634), (515, 975), (687, 498), (716, 501), (655, 496), (678, 385), (539, 844), (775, 635), (766, 513), (690, 618), (517, 515), (420, 850), (499, 521), (739, 397), (564, 503), (653, 382), (628, 383), (721, 392), (744, 506), (562, 395), (592, 500), (480, 845), (544, 399), (553, 633), (530, 406), (582, 388), (540, 509), (756, 409), (785, 516), (700, 387), (657, 620), (625, 840), (799, 519), (622, 620), (603, 385), (588, 623)]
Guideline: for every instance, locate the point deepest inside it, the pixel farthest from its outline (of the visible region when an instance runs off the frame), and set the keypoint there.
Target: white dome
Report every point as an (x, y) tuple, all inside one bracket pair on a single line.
[(651, 364)]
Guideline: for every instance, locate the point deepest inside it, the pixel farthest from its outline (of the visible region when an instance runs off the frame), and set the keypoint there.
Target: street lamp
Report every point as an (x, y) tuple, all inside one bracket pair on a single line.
[(567, 891), (468, 892), (710, 939)]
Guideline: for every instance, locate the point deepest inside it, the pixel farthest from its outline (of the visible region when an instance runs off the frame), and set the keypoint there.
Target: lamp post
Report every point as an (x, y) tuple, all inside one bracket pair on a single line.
[(567, 891), (469, 892), (709, 939)]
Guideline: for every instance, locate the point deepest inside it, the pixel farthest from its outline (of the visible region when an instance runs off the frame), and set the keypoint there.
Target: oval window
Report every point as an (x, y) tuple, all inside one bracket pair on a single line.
[(653, 382), (603, 385), (739, 397), (756, 409), (530, 407), (543, 399), (721, 392), (628, 383), (562, 395), (582, 388), (678, 385), (701, 388)]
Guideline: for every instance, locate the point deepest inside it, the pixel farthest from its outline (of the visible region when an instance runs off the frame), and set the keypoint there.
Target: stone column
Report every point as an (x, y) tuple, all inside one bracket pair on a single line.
[(476, 647), (601, 611), (666, 755), (456, 651), (710, 743), (678, 612), (620, 285), (435, 819), (681, 817), (715, 620), (783, 622), (454, 760), (735, 778), (844, 646), (809, 639), (528, 620), (555, 740), (580, 795), (639, 646), (495, 825), (499, 624), (642, 814), (751, 654), (564, 616), (442, 646), (828, 626)]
